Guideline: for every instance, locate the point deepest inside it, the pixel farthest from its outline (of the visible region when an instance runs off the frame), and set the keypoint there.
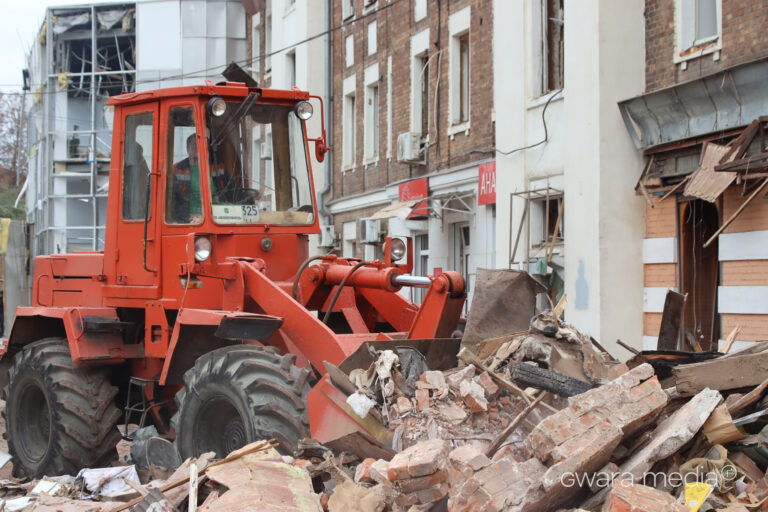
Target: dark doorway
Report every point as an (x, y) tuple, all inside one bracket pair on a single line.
[(699, 272)]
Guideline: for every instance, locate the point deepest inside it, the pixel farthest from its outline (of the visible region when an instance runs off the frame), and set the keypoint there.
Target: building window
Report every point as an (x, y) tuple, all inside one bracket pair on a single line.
[(290, 69), (349, 237), (372, 122), (350, 131), (552, 27), (698, 26), (349, 50), (347, 8), (460, 62), (419, 10), (463, 78), (372, 38)]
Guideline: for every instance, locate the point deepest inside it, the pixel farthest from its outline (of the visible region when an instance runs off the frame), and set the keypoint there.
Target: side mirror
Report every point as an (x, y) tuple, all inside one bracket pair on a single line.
[(321, 143)]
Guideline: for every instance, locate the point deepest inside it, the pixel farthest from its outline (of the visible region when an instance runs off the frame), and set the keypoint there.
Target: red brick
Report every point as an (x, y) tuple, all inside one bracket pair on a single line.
[(378, 472), (422, 399), (490, 387), (628, 497), (423, 482), (421, 459), (363, 472)]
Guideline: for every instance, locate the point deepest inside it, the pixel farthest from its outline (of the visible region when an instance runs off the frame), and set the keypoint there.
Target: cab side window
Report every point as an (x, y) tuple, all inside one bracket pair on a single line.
[(183, 203), (137, 162)]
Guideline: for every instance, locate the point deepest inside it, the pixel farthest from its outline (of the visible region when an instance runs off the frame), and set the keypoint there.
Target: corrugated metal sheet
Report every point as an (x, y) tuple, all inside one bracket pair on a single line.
[(705, 182), (722, 101)]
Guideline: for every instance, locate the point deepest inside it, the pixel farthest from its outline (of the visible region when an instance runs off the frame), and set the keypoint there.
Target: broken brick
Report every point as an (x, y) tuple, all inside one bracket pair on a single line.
[(378, 472), (628, 497), (434, 379), (422, 399), (423, 482), (465, 373), (467, 459), (363, 473), (421, 459), (487, 383), (473, 395)]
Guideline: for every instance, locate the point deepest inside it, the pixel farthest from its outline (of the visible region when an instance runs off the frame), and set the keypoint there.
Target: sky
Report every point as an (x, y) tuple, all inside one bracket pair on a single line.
[(19, 25)]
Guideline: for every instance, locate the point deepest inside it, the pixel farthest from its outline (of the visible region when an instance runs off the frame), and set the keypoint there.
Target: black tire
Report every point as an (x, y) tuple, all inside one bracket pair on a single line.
[(240, 394), (559, 384), (59, 419)]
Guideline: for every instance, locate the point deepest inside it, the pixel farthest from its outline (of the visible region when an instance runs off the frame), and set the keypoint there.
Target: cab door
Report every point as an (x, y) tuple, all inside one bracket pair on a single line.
[(137, 242)]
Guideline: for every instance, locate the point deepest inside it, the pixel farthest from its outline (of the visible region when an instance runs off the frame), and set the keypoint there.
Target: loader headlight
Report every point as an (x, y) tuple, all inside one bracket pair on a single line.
[(397, 249), (217, 106), (304, 110), (202, 248)]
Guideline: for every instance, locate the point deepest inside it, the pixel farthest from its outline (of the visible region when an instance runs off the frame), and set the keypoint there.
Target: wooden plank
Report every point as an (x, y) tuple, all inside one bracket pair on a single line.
[(736, 213), (737, 371), (671, 321), (742, 164)]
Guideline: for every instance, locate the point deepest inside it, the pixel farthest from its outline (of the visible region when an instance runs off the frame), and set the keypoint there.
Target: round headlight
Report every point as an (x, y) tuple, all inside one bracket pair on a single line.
[(397, 249), (202, 248), (304, 110), (217, 106)]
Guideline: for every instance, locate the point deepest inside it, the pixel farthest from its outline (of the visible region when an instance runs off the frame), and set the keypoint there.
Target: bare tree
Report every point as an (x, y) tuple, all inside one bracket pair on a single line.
[(13, 154)]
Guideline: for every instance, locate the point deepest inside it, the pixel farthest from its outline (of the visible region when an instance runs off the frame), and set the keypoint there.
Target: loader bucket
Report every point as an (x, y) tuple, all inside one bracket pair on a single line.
[(332, 420)]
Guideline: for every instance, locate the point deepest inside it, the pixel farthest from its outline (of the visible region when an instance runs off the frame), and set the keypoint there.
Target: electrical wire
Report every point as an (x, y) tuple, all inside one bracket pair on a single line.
[(542, 141), (248, 62), (341, 287)]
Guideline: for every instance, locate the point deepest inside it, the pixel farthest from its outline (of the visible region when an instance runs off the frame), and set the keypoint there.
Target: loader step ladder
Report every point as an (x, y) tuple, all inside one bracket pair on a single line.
[(142, 407)]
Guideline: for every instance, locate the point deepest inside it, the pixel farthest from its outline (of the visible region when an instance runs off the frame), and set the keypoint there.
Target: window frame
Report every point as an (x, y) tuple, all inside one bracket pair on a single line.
[(460, 96), (684, 52), (202, 152), (349, 118), (153, 158)]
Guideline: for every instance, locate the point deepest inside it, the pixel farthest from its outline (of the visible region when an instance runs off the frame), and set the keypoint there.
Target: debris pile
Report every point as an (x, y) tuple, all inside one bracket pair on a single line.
[(539, 421)]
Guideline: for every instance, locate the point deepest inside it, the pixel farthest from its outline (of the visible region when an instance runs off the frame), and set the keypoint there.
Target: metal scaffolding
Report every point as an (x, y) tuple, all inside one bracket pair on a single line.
[(87, 53)]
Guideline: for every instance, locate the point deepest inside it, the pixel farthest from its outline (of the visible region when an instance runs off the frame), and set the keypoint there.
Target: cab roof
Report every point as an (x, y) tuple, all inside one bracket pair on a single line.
[(227, 90)]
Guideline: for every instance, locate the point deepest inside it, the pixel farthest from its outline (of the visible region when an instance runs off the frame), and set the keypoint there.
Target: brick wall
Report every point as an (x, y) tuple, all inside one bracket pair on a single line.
[(395, 26), (660, 222), (744, 24)]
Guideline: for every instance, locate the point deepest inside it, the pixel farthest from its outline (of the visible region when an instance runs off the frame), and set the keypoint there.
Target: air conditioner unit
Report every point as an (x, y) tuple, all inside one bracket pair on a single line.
[(328, 238), (265, 150), (368, 230), (409, 148)]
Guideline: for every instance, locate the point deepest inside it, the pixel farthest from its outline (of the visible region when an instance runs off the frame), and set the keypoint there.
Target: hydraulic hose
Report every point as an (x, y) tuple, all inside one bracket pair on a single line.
[(339, 288), (301, 270)]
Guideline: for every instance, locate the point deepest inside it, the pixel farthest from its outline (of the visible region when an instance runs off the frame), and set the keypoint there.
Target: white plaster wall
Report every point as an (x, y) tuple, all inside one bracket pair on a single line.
[(290, 25), (586, 144)]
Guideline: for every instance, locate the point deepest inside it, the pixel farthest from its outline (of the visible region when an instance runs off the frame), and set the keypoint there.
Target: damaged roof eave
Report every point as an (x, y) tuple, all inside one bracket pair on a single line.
[(722, 101)]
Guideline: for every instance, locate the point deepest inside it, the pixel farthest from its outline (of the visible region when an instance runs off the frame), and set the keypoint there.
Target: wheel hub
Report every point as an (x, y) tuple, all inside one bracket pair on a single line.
[(35, 433), (219, 427)]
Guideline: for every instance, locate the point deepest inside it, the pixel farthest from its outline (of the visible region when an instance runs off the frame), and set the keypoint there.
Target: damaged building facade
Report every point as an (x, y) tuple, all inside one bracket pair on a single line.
[(412, 127), (85, 54), (569, 214), (700, 127)]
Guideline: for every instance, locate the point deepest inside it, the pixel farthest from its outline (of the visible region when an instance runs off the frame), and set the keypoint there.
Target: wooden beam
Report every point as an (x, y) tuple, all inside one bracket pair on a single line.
[(736, 213), (743, 164), (722, 374)]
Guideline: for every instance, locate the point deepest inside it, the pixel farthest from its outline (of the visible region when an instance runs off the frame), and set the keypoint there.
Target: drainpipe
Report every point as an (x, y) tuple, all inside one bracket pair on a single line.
[(328, 84)]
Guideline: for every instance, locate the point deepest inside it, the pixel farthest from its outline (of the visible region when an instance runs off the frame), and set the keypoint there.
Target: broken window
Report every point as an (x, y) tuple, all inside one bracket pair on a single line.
[(110, 65), (552, 27)]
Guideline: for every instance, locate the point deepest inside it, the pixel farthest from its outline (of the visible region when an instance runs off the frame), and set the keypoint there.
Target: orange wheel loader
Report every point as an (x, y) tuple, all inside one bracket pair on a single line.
[(203, 315)]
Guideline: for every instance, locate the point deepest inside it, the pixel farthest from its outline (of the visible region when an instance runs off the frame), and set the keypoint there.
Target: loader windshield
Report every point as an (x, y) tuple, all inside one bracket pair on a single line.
[(258, 166)]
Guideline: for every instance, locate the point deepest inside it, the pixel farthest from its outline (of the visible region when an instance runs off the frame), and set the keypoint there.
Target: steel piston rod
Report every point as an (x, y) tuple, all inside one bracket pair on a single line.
[(409, 280)]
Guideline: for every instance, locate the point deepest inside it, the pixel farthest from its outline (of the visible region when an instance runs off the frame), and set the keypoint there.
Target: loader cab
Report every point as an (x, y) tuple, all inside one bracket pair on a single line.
[(205, 173)]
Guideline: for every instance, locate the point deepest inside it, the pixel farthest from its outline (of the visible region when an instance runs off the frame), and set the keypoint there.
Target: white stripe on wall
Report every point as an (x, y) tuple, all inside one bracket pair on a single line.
[(654, 297), (650, 342), (746, 300), (749, 245), (660, 250)]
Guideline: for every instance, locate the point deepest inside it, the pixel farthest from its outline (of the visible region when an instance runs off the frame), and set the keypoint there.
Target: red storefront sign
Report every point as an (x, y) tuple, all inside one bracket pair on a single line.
[(415, 189), (486, 184)]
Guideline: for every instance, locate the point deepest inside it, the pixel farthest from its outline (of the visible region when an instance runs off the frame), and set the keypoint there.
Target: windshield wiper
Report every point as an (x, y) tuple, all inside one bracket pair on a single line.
[(233, 121)]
